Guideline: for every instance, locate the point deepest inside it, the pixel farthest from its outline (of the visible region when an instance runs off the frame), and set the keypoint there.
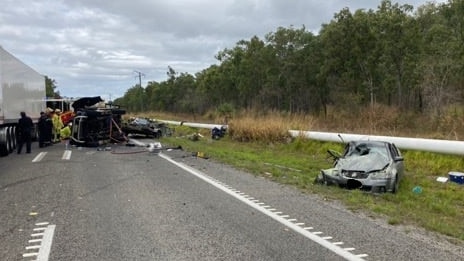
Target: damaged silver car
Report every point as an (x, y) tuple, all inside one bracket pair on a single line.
[(374, 166)]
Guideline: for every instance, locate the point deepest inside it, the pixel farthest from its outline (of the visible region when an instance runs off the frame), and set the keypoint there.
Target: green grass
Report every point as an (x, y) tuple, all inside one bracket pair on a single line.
[(439, 207)]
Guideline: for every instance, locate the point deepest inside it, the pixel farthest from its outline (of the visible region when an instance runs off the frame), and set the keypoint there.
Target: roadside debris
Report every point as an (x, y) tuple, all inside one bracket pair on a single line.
[(217, 133), (456, 177), (442, 179), (195, 137), (200, 154), (417, 190), (154, 147)]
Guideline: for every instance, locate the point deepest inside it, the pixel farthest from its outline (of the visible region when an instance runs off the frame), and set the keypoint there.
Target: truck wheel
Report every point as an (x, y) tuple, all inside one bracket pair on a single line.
[(13, 138), (9, 139), (3, 142)]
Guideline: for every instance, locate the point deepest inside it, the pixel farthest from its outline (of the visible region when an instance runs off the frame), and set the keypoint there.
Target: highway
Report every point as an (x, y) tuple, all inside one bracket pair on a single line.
[(126, 203)]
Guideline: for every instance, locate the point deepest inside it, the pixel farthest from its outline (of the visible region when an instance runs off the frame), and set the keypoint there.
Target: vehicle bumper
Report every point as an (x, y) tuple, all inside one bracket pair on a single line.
[(373, 185)]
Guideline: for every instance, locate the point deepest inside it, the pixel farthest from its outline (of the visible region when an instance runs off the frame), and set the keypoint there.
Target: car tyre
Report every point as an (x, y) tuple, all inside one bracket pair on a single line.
[(396, 184)]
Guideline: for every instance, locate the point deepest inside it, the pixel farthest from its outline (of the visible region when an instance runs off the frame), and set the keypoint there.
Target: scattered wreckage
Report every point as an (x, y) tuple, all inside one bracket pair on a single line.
[(146, 127), (375, 166), (96, 123), (217, 133)]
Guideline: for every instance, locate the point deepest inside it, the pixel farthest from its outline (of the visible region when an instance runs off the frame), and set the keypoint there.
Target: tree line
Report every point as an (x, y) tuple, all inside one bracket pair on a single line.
[(394, 55)]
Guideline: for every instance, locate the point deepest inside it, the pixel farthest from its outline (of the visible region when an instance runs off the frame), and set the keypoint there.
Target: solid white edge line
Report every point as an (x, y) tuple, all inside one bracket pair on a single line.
[(326, 244), (39, 157), (44, 251)]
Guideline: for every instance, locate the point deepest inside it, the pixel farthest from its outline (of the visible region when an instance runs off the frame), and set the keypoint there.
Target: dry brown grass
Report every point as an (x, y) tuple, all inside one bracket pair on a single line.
[(272, 126)]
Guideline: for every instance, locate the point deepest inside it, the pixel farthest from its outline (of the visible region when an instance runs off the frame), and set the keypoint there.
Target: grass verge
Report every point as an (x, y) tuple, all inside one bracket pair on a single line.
[(439, 207)]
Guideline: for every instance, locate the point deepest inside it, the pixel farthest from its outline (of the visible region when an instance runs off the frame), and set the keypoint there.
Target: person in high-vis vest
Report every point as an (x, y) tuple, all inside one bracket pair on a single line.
[(57, 125), (65, 132)]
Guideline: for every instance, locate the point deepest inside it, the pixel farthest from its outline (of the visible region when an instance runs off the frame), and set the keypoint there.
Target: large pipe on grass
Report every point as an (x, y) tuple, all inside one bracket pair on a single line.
[(431, 145)]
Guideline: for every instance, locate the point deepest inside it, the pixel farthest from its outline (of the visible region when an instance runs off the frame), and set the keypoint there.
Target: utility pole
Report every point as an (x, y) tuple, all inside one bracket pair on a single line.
[(139, 75)]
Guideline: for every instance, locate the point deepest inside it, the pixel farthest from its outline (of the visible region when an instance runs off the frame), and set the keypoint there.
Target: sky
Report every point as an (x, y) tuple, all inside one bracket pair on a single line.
[(100, 47)]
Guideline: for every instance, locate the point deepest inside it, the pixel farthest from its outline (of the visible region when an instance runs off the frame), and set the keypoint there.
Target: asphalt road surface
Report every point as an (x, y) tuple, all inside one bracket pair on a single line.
[(126, 203)]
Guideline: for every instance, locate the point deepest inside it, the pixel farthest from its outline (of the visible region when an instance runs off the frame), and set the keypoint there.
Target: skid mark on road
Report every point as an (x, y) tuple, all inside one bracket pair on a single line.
[(292, 223)]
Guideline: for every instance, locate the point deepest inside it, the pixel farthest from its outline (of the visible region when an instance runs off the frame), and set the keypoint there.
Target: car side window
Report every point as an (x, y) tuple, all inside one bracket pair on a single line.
[(397, 151), (393, 150)]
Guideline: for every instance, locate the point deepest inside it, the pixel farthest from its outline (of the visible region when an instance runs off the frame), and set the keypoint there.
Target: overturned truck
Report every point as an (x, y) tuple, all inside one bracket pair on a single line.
[(96, 123)]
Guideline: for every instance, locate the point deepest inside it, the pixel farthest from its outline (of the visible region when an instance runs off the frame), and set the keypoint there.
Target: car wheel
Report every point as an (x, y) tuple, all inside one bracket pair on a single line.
[(396, 185), (319, 179)]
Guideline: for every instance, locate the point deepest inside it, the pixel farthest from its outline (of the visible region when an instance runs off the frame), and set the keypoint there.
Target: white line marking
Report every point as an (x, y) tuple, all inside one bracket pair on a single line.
[(39, 229), (44, 251), (326, 244), (338, 243), (35, 240), (66, 155), (308, 228), (327, 238), (39, 157), (349, 248), (299, 224), (33, 247), (37, 235), (317, 233), (41, 224), (30, 254), (292, 219)]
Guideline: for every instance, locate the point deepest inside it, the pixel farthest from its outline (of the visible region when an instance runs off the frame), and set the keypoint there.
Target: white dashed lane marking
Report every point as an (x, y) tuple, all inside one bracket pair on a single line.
[(66, 156), (272, 213), (39, 157)]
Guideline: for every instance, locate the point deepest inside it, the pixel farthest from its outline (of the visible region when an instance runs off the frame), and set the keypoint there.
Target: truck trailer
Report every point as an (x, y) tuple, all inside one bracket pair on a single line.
[(21, 89)]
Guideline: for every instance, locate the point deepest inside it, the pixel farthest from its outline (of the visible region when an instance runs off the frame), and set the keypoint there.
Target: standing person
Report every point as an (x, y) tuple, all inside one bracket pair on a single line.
[(49, 127), (42, 129), (57, 125), (25, 126)]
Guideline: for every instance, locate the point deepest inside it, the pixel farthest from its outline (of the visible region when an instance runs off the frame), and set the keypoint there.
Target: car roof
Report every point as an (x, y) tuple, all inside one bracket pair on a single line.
[(372, 142)]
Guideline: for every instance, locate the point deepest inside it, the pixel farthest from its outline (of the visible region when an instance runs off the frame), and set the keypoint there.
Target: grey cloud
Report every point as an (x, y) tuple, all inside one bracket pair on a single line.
[(92, 47)]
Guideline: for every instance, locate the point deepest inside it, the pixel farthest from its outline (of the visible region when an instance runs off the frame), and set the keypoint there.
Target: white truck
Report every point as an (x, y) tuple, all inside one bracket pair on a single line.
[(21, 89)]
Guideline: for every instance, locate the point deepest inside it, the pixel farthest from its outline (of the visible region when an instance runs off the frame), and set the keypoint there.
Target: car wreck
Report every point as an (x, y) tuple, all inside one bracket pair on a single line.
[(146, 127), (375, 166)]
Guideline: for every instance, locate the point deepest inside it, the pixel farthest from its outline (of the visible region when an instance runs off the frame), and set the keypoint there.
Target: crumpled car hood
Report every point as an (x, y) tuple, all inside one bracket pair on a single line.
[(365, 163)]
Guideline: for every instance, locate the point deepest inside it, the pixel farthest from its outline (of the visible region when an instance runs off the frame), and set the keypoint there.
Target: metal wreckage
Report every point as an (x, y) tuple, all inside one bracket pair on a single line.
[(96, 123)]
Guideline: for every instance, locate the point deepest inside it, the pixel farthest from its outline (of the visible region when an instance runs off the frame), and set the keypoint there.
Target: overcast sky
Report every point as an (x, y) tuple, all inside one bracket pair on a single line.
[(94, 47)]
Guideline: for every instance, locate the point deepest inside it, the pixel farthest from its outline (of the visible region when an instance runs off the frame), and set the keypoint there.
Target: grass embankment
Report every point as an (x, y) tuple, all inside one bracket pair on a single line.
[(262, 146)]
